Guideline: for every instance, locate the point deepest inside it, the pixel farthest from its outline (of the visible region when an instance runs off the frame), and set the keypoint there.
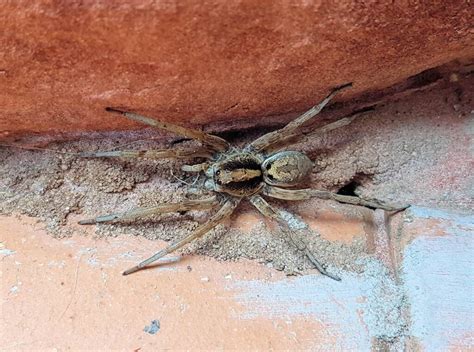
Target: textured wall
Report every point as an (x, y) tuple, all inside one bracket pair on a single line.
[(190, 61)]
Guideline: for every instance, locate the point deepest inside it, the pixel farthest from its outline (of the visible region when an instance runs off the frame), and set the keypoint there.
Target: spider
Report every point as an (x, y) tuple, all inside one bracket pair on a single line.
[(231, 174)]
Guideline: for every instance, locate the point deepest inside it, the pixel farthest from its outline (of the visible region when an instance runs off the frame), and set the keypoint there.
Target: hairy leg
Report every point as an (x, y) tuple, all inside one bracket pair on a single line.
[(149, 154), (261, 144), (215, 220), (271, 212), (200, 204), (216, 143), (304, 136), (307, 193)]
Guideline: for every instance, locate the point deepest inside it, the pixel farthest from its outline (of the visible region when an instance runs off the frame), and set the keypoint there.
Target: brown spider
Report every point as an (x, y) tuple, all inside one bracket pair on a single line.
[(233, 174)]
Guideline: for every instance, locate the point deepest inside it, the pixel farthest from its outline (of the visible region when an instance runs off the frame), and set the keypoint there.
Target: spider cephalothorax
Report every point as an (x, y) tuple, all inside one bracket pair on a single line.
[(238, 174), (232, 174)]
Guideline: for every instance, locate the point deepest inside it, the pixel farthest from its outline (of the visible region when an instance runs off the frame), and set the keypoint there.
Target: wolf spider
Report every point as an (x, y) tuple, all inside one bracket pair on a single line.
[(232, 174)]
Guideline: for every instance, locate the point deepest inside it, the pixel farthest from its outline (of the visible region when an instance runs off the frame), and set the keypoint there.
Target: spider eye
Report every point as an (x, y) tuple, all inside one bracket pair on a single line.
[(268, 167), (270, 176), (218, 172)]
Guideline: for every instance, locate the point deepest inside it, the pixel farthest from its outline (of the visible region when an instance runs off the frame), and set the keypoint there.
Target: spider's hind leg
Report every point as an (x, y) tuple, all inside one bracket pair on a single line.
[(307, 193), (271, 212)]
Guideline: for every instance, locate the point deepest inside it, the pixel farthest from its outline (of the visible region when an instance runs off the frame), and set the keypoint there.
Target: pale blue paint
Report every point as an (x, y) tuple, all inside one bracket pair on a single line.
[(153, 328), (354, 310), (431, 213), (438, 272), (6, 252), (129, 258), (438, 289)]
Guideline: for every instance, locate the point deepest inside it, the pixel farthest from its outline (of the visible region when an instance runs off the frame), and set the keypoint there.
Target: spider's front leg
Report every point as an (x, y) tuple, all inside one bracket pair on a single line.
[(271, 212), (268, 141), (307, 193), (225, 211)]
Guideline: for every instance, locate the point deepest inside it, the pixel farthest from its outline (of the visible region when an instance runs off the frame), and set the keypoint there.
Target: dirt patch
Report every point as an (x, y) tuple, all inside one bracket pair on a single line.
[(407, 151)]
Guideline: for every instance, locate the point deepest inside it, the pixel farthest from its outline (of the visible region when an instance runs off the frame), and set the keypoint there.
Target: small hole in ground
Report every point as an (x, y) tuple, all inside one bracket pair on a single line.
[(349, 189)]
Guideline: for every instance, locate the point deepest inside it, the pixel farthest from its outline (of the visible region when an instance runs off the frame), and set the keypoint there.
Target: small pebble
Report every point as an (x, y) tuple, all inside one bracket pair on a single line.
[(153, 328)]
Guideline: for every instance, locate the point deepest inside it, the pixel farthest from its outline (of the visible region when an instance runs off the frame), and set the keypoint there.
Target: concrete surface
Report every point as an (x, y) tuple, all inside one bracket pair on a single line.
[(69, 294), (63, 62), (438, 272)]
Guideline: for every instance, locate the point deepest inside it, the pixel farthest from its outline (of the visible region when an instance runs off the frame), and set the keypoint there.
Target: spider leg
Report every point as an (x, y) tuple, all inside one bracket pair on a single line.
[(307, 193), (339, 123), (225, 211), (276, 214), (201, 152), (216, 143), (301, 137), (200, 204), (262, 143), (149, 154)]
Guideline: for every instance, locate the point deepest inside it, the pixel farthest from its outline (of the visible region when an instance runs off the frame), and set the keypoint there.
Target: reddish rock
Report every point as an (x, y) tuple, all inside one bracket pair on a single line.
[(62, 62)]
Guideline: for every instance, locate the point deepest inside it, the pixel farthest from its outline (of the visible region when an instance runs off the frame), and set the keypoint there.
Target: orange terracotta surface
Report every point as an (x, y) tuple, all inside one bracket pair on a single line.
[(332, 224), (63, 62), (70, 294), (336, 226)]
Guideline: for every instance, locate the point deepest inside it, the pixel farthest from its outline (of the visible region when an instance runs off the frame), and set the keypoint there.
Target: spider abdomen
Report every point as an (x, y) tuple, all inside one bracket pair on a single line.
[(287, 168)]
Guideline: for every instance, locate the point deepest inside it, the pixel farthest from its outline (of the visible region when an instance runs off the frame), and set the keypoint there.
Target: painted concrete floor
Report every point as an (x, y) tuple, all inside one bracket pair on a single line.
[(69, 294)]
